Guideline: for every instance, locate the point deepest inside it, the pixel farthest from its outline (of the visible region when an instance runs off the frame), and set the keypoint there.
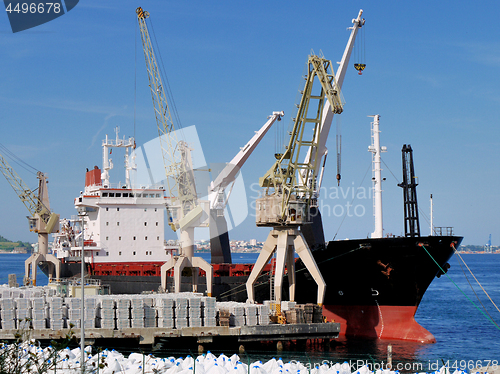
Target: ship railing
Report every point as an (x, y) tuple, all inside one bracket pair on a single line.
[(120, 185), (443, 231)]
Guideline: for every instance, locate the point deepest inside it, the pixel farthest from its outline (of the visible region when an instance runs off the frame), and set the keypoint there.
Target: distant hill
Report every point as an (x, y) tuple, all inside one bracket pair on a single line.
[(8, 245)]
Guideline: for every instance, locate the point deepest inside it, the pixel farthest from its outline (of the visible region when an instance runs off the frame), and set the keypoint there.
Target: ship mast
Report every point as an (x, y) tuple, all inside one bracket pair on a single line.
[(432, 217), (409, 185), (376, 149)]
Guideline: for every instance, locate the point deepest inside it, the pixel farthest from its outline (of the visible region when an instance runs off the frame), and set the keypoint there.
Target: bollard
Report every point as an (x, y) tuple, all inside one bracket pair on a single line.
[(389, 356), (279, 346)]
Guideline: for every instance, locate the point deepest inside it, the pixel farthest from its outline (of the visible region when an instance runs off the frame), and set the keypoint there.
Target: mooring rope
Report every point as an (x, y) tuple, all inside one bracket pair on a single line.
[(468, 298), (470, 271)]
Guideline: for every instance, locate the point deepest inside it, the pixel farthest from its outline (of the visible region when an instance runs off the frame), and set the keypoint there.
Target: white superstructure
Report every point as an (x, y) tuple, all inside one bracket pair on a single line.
[(122, 224)]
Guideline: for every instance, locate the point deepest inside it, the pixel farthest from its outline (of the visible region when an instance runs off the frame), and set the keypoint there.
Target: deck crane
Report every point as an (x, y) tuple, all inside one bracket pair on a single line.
[(42, 220), (219, 239), (311, 229), (184, 211), (289, 184)]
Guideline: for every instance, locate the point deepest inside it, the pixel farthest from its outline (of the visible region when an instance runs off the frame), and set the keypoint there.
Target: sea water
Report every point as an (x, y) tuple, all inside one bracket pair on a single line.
[(465, 336)]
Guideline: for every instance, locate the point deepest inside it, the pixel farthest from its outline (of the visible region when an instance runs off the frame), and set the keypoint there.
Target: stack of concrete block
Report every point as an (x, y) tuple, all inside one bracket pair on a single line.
[(209, 311), (236, 313), (251, 315), (149, 312), (106, 313), (287, 305), (38, 314), (122, 313), (137, 312), (90, 312), (13, 280), (57, 314), (313, 313), (8, 312), (224, 317), (23, 313), (295, 315), (263, 314), (165, 310), (74, 311), (238, 310), (194, 312), (181, 312)]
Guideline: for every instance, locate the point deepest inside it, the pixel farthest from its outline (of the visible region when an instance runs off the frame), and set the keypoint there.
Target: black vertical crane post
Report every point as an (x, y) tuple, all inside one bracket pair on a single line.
[(409, 185)]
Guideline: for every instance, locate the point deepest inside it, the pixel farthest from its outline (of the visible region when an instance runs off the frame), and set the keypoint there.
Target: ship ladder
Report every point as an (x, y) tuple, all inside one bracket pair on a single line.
[(272, 275)]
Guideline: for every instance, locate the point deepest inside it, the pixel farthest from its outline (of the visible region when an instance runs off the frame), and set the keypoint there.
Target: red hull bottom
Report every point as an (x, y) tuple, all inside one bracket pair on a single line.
[(384, 322)]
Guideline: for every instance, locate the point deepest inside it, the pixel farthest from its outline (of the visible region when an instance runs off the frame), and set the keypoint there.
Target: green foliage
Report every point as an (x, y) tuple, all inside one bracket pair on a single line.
[(8, 245)]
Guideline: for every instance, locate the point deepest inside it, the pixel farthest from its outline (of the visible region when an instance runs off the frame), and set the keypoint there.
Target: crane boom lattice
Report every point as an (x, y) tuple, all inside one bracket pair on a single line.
[(290, 183), (34, 205), (176, 153)]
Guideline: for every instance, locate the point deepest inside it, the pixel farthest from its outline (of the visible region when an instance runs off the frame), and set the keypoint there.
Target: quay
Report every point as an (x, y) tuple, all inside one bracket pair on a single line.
[(186, 335)]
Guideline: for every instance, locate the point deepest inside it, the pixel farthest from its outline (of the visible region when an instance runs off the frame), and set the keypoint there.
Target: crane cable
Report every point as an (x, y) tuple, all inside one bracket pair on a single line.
[(135, 77), (11, 155), (168, 90), (339, 148), (354, 198)]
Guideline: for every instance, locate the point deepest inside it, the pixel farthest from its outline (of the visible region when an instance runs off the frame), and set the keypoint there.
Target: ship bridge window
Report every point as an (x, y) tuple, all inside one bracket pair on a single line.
[(152, 195), (111, 194), (104, 194), (118, 194), (157, 195), (125, 194), (131, 195)]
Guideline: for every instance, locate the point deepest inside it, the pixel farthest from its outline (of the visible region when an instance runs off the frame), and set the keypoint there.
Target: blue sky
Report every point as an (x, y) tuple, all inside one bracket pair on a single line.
[(431, 74)]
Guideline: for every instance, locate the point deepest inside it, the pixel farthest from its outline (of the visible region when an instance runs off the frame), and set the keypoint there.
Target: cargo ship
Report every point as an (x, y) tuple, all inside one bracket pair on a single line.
[(374, 285)]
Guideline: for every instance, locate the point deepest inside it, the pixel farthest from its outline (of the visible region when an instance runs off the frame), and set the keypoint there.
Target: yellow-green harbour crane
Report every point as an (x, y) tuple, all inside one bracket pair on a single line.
[(42, 220)]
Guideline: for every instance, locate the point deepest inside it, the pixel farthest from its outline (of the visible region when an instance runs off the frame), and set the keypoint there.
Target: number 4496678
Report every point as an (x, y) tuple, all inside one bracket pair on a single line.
[(34, 8)]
